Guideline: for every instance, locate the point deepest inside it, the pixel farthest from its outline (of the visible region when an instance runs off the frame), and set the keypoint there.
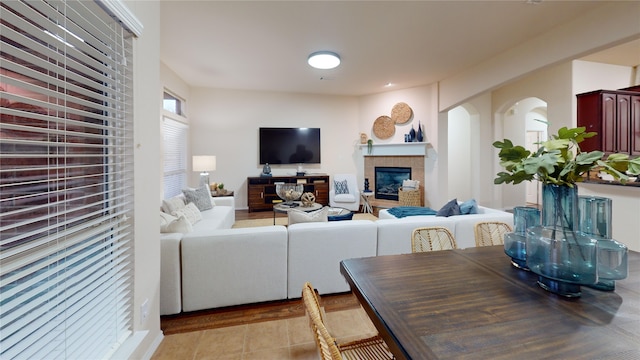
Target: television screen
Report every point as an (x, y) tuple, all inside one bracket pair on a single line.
[(289, 145)]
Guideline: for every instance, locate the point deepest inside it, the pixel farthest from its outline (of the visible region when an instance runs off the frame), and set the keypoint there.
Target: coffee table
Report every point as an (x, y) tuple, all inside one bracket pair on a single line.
[(297, 205)]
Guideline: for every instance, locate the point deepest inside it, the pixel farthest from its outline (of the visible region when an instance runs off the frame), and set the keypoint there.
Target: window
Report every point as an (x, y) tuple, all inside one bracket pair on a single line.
[(66, 180), (175, 157), (172, 104)]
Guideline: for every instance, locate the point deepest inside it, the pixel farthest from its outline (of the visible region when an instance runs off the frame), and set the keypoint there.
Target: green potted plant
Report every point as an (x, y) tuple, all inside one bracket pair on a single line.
[(559, 161), (221, 189), (563, 258)]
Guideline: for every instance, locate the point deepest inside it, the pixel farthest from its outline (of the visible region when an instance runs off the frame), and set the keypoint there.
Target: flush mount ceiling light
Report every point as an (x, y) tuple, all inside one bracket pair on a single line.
[(324, 60)]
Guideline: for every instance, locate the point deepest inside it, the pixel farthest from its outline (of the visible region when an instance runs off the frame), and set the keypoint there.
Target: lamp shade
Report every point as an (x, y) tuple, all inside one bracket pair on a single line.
[(324, 60), (204, 163)]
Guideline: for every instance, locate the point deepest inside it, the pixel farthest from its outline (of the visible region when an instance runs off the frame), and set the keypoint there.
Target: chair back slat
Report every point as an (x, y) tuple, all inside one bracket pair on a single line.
[(432, 238), (488, 233)]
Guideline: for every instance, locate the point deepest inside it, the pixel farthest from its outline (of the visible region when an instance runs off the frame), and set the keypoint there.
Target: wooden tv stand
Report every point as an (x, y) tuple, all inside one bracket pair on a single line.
[(261, 191)]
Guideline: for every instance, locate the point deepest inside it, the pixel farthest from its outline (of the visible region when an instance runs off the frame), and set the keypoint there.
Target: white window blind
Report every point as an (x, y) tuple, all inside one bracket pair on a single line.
[(175, 156), (66, 180)]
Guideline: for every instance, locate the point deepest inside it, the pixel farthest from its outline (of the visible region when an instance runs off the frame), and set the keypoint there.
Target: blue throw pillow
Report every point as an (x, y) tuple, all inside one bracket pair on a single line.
[(341, 187), (469, 207), (449, 209)]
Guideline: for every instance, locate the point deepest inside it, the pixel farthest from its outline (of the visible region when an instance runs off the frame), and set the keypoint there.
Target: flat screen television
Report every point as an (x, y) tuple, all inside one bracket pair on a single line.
[(289, 145)]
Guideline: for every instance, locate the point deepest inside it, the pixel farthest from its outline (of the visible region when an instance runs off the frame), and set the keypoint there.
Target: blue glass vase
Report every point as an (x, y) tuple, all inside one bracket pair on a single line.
[(562, 258), (595, 221), (515, 242)]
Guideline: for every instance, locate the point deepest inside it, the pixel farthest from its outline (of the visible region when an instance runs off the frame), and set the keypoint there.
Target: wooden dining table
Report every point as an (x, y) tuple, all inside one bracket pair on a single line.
[(472, 304)]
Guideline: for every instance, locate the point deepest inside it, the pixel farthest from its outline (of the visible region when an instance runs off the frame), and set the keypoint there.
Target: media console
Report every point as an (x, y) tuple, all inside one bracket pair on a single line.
[(261, 191)]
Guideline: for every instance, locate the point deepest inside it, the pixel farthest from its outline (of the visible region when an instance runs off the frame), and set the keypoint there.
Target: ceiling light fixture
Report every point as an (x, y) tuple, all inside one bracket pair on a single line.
[(324, 60)]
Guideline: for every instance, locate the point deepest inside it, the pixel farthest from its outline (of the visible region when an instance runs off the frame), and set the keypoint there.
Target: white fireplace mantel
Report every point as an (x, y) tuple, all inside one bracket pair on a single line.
[(399, 149)]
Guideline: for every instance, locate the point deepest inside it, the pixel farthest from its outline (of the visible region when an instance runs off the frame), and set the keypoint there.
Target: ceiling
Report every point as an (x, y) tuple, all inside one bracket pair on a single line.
[(264, 45)]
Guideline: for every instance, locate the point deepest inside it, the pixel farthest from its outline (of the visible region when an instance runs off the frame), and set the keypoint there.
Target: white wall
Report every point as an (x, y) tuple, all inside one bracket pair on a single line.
[(460, 164), (225, 123), (423, 101), (613, 23), (147, 104), (590, 76)]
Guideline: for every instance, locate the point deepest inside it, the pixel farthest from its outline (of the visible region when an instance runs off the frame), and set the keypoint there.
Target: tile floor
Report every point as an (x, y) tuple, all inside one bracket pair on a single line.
[(286, 339)]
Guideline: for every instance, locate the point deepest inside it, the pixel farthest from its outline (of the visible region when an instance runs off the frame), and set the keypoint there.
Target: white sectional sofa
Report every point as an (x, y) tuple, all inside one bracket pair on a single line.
[(216, 266)]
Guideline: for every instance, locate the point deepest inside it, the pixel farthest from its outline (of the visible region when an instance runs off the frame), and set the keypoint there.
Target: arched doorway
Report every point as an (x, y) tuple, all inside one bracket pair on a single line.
[(524, 123)]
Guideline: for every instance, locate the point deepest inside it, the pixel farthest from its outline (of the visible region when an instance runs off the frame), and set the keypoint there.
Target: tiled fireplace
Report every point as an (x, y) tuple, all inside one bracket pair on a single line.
[(388, 179), (416, 164)]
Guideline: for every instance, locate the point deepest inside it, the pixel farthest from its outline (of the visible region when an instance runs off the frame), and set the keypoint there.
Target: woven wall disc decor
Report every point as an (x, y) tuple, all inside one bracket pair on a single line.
[(384, 127), (401, 113)]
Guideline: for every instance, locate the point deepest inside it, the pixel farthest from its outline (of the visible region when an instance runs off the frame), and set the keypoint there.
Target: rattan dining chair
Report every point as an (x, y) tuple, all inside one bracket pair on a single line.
[(369, 348), (432, 238), (488, 233)]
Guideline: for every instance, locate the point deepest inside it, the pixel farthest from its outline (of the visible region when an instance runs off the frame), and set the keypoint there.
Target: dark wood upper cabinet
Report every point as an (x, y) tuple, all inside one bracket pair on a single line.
[(615, 116)]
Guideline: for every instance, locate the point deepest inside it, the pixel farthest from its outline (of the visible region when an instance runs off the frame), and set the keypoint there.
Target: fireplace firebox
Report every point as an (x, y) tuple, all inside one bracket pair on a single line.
[(389, 180)]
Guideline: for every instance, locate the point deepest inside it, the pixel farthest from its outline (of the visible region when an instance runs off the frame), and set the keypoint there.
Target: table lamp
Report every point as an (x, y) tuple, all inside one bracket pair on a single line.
[(204, 164)]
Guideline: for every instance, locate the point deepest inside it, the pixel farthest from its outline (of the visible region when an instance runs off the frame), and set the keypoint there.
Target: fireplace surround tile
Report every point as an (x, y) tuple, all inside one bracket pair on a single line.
[(416, 163)]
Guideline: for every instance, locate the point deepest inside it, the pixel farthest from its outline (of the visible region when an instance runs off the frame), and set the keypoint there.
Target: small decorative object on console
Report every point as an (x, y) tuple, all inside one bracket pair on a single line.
[(266, 170), (308, 199)]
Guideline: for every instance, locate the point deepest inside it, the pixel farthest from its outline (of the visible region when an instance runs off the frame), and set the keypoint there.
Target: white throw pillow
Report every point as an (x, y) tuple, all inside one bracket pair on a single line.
[(172, 205), (179, 225), (165, 219), (201, 197), (191, 212), (299, 216)]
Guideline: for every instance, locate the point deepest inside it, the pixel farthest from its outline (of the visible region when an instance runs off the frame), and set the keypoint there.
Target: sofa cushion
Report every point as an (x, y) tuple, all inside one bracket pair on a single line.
[(165, 219), (344, 198), (341, 187), (201, 197), (191, 212), (449, 209), (220, 217), (469, 207), (173, 204), (298, 216), (179, 225)]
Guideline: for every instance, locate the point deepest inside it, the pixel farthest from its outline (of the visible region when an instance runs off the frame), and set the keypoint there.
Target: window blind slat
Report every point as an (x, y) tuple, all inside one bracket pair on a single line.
[(66, 176), (175, 157)]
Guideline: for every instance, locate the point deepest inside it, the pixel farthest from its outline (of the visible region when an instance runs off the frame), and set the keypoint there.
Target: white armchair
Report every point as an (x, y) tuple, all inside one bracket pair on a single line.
[(339, 198)]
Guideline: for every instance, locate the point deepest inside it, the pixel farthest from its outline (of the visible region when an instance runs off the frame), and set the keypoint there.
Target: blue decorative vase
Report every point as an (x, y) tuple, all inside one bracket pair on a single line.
[(412, 134), (420, 136), (562, 258), (515, 244), (595, 221)]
